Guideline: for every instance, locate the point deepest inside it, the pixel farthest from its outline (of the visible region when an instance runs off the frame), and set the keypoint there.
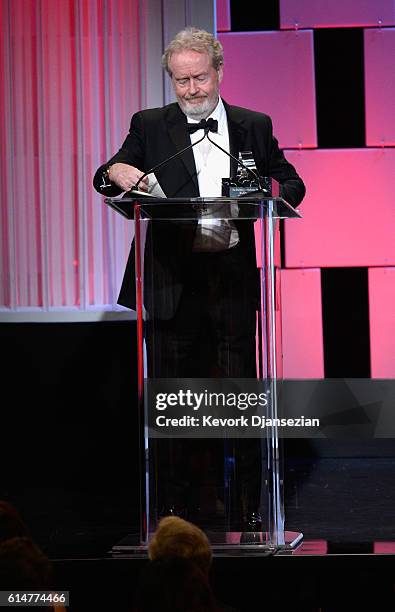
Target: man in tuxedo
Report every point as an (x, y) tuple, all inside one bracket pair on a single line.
[(183, 261), (202, 268)]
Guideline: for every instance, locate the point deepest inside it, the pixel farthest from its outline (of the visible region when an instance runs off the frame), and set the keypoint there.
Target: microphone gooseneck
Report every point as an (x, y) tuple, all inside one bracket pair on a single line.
[(165, 161), (238, 161), (209, 125)]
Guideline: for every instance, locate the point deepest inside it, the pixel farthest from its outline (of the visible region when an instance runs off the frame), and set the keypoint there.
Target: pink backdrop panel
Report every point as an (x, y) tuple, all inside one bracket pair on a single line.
[(302, 324), (315, 14), (348, 212), (223, 15), (273, 72), (380, 86), (382, 322), (383, 548)]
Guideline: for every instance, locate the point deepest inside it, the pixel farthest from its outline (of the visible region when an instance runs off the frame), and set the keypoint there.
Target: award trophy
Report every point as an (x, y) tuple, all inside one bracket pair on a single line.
[(247, 180)]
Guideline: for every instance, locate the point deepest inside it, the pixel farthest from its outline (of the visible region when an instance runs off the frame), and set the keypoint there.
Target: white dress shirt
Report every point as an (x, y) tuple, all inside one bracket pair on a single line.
[(212, 165)]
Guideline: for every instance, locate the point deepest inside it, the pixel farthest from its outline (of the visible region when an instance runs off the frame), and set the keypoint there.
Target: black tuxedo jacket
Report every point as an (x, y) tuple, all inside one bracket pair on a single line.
[(158, 133)]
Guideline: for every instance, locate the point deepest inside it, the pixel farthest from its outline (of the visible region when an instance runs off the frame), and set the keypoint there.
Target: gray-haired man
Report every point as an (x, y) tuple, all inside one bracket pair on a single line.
[(201, 272)]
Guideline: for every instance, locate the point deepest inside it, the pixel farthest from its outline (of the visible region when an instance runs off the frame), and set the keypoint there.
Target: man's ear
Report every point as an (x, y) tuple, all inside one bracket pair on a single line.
[(220, 72)]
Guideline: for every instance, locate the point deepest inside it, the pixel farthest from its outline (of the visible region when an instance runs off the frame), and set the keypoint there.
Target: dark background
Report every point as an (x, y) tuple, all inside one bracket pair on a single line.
[(69, 447), (69, 422)]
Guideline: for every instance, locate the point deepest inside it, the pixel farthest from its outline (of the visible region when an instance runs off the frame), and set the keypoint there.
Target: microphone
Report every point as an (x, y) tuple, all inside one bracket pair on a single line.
[(209, 125)]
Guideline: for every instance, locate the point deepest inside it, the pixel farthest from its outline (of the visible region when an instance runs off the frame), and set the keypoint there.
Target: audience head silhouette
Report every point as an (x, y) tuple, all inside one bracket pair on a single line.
[(175, 537), (175, 584), (11, 523), (23, 565)]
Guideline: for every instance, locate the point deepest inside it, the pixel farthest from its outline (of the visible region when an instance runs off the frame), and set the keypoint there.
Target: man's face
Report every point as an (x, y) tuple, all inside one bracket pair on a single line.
[(195, 82)]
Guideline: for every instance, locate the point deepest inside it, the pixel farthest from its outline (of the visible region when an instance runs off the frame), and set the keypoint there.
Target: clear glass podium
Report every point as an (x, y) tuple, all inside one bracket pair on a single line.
[(207, 297)]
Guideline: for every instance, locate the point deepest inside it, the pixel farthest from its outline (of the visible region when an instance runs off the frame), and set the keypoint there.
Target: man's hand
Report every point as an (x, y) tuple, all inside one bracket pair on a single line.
[(126, 177)]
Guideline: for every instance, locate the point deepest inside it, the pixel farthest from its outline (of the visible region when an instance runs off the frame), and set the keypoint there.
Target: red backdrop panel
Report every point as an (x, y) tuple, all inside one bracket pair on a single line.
[(380, 86), (313, 14), (382, 322), (302, 324), (348, 212), (273, 72)]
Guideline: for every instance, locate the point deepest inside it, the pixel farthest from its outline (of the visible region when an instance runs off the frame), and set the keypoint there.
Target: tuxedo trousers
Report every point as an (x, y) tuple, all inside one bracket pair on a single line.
[(211, 335)]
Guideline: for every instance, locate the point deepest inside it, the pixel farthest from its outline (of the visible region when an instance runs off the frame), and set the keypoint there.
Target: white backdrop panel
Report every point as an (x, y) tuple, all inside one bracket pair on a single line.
[(382, 322), (348, 212), (303, 353), (273, 72), (348, 13), (380, 86), (223, 15)]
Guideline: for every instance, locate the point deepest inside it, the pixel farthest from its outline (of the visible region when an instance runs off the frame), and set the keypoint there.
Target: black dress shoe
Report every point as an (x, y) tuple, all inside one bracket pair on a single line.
[(252, 529), (252, 522), (251, 537), (172, 510)]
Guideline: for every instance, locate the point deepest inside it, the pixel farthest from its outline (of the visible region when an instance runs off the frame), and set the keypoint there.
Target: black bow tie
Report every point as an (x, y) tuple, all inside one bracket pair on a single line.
[(211, 125)]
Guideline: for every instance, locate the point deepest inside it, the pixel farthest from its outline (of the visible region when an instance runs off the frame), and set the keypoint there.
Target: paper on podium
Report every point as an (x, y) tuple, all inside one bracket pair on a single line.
[(154, 188)]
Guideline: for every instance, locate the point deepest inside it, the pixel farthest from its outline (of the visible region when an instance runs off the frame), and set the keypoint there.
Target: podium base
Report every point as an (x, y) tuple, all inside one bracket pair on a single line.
[(223, 543)]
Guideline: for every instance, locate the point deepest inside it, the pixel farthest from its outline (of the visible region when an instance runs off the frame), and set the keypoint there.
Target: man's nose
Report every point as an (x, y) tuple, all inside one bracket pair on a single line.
[(192, 86)]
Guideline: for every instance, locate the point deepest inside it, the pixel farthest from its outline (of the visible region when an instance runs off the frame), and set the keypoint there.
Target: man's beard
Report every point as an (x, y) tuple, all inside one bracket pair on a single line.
[(198, 111)]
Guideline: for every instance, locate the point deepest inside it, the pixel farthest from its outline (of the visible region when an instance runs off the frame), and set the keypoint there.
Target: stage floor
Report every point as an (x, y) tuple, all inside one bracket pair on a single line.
[(319, 576), (345, 507), (339, 500)]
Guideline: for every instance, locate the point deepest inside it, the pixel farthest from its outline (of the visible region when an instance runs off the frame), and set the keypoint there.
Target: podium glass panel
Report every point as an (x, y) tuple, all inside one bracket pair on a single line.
[(209, 357)]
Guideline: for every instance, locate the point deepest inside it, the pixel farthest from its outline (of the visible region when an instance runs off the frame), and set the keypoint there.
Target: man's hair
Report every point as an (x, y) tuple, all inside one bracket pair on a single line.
[(193, 39), (175, 537)]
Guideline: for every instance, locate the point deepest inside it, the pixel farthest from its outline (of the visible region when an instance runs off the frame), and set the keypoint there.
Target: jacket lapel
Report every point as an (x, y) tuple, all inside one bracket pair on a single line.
[(237, 136), (177, 126)]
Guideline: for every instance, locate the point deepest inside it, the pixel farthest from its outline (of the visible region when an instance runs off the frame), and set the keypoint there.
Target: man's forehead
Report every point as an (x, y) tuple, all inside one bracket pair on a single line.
[(188, 60)]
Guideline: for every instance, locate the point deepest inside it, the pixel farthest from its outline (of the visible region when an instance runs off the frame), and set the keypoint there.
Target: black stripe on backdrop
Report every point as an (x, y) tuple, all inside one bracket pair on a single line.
[(345, 314), (254, 16), (340, 91)]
